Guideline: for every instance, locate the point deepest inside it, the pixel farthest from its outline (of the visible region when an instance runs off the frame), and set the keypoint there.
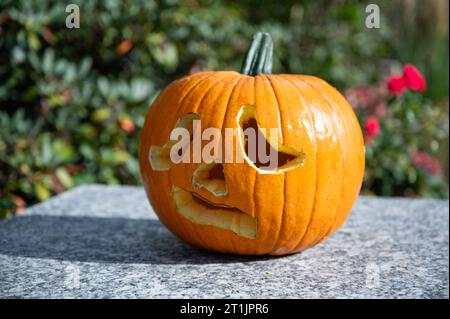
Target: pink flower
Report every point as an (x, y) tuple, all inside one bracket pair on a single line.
[(372, 128), (380, 109), (424, 160), (414, 79), (360, 96), (397, 84)]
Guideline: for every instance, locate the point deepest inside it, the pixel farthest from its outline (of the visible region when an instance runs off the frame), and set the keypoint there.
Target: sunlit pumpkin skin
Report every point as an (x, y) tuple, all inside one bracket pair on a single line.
[(293, 210)]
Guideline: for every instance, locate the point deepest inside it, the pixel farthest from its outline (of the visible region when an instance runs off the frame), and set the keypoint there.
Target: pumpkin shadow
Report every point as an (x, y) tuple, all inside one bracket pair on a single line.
[(105, 240)]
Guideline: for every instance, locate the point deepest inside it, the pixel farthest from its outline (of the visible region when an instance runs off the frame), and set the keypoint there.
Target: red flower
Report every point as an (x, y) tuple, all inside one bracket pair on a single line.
[(397, 84), (372, 127), (410, 79), (414, 79)]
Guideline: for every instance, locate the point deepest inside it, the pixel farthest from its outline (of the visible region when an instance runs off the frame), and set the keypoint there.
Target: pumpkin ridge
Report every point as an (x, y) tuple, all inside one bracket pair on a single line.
[(349, 129), (202, 99), (300, 94), (168, 176), (327, 102), (232, 91), (195, 110), (300, 97), (342, 184), (200, 81), (275, 79), (303, 245), (183, 231), (226, 107), (190, 77), (238, 86), (278, 236), (199, 106), (254, 175)]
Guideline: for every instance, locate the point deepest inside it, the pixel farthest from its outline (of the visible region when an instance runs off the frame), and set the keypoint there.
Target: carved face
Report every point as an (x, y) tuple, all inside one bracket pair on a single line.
[(247, 207)]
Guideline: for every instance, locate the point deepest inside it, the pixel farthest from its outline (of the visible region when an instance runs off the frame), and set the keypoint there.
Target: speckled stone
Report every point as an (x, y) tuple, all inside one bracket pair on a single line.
[(106, 242)]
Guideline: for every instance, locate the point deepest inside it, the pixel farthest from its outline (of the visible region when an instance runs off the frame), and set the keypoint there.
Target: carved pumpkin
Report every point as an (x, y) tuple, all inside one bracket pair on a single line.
[(239, 207)]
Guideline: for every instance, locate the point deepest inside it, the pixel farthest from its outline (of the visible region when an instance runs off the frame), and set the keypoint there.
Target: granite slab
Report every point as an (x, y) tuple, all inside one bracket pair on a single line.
[(101, 241)]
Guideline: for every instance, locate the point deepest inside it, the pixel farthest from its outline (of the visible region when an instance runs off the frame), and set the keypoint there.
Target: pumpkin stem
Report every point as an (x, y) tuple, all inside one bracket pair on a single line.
[(259, 55)]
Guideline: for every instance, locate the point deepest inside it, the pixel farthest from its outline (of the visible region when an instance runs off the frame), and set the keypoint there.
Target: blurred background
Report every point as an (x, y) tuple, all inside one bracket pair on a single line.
[(73, 101)]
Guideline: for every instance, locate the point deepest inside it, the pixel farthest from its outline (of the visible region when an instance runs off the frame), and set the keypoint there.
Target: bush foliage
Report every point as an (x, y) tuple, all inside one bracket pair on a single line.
[(72, 101)]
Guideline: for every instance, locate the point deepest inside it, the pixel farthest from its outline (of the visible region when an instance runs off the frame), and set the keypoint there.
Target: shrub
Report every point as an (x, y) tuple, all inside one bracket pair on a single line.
[(72, 101)]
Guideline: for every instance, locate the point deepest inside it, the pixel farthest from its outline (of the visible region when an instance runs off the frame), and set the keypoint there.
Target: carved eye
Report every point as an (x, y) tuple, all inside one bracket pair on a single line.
[(285, 157), (159, 156)]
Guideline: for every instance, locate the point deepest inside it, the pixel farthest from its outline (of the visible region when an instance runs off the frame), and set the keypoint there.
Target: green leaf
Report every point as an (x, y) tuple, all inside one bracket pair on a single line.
[(64, 177), (34, 42), (63, 151), (88, 152), (166, 54), (18, 54), (115, 157), (85, 67), (42, 192), (48, 61), (34, 60), (140, 89), (103, 86), (101, 114), (60, 66), (70, 74), (46, 150)]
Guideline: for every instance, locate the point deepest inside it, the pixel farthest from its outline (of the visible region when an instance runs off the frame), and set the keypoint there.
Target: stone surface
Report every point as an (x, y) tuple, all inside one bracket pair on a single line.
[(106, 242)]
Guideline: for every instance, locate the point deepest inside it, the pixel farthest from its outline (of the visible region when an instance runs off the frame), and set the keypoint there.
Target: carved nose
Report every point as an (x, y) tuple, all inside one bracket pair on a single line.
[(211, 177)]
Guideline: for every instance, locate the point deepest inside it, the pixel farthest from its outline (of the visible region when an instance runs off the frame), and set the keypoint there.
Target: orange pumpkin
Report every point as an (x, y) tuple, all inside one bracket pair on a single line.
[(238, 207)]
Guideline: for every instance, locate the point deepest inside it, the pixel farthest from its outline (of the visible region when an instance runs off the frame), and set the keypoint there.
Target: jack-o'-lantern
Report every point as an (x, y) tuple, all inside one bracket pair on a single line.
[(241, 207)]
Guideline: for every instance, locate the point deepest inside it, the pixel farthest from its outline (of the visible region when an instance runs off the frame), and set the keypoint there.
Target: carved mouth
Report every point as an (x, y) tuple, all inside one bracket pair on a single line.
[(201, 211)]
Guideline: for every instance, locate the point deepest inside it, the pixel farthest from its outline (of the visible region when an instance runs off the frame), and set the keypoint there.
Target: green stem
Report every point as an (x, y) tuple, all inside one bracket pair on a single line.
[(258, 59)]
